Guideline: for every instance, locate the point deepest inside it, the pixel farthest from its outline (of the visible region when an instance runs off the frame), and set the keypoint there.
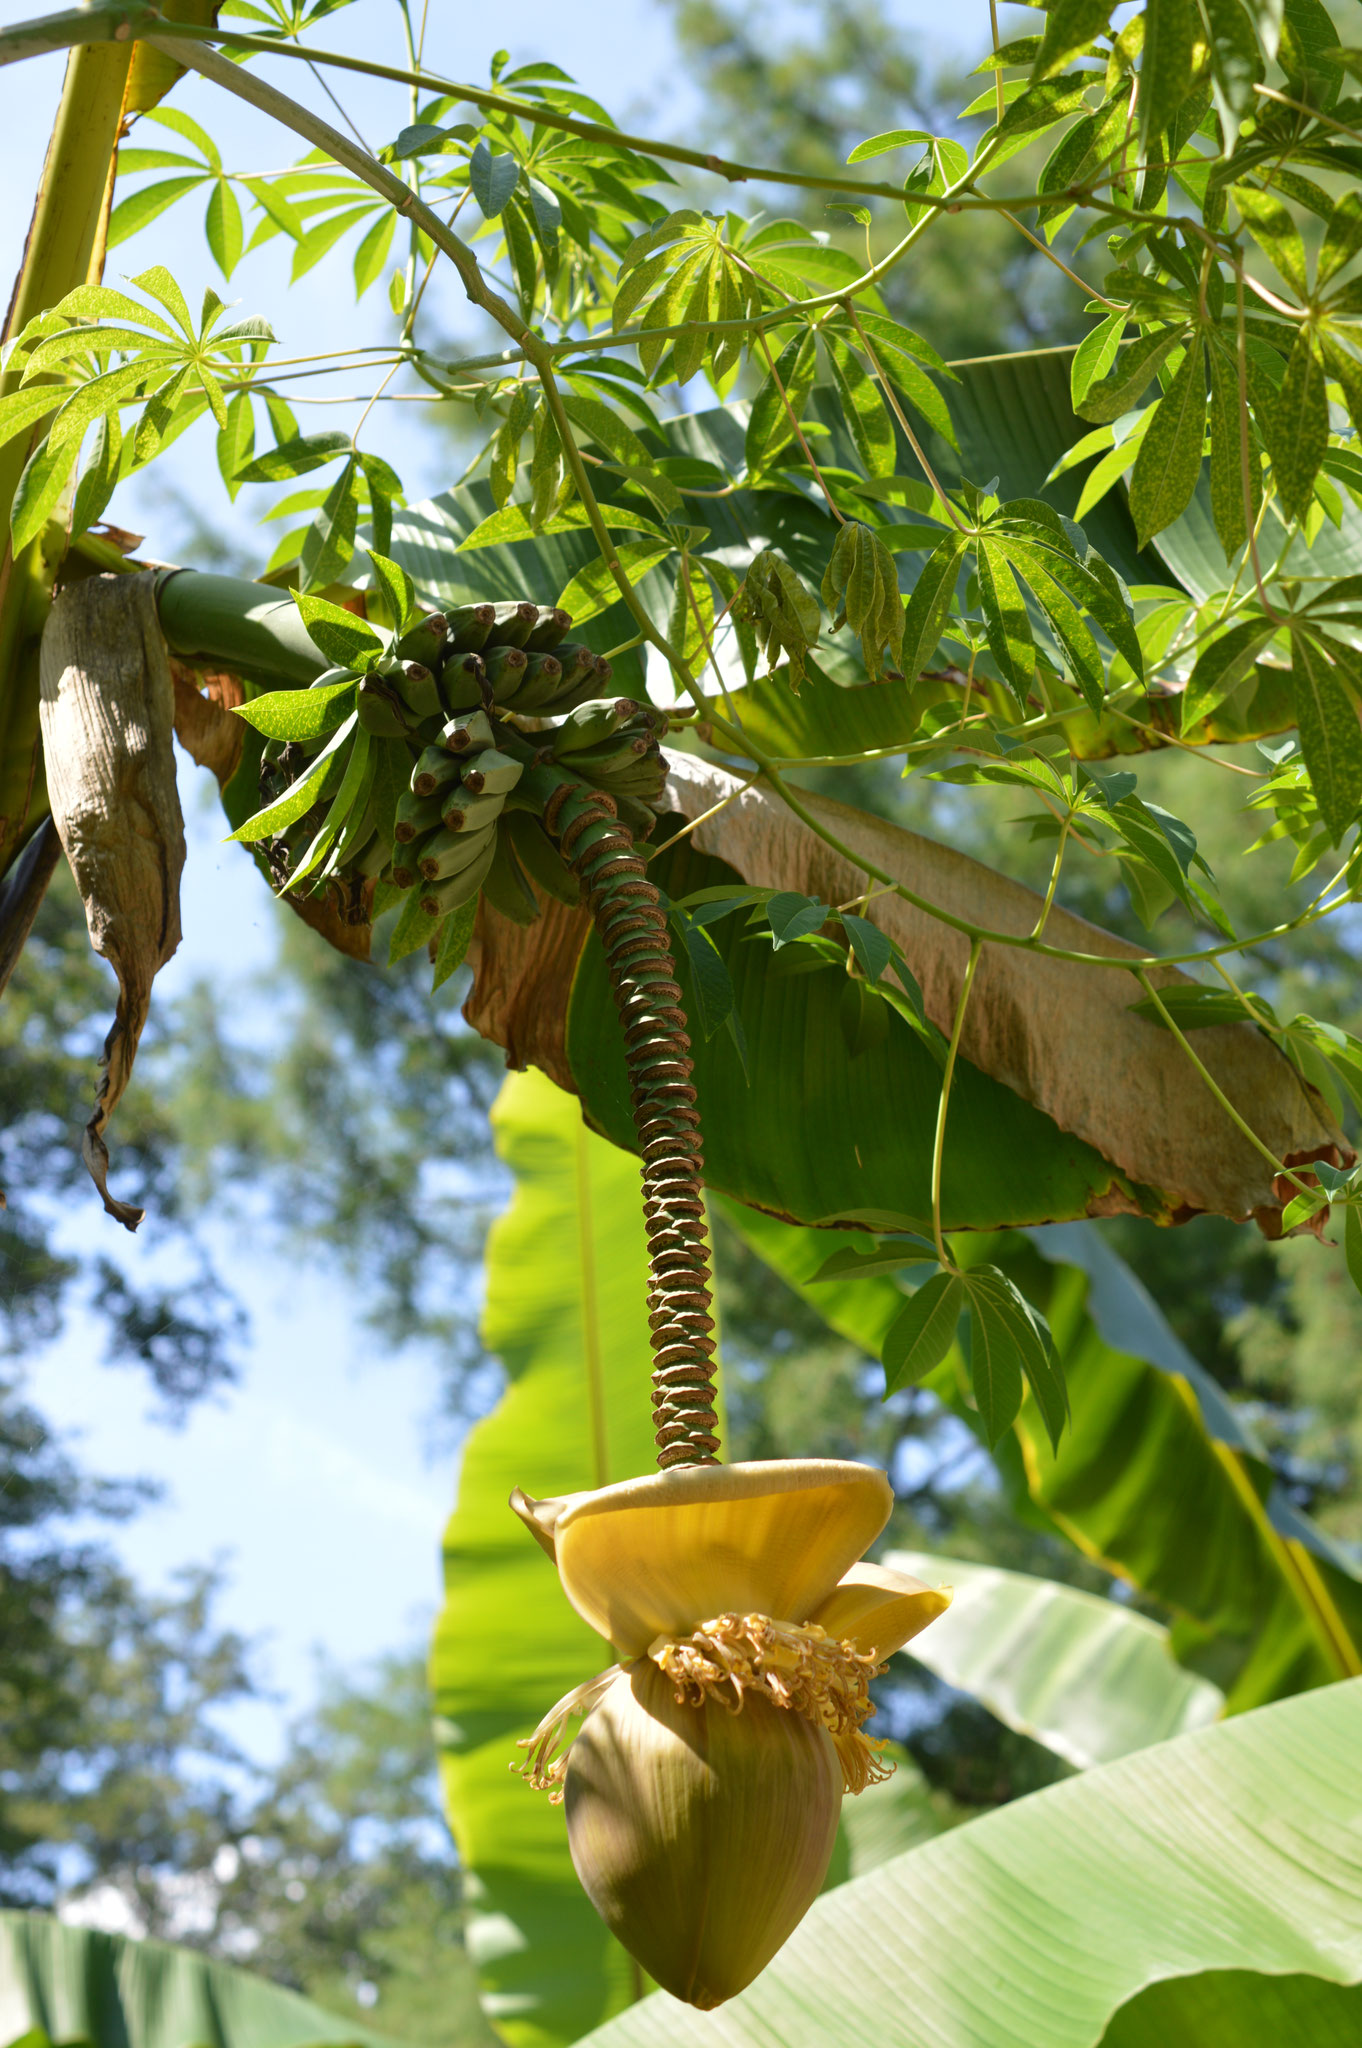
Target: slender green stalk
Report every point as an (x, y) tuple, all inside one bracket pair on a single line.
[(939, 1140), (793, 418), (118, 22), (887, 388), (1245, 1130)]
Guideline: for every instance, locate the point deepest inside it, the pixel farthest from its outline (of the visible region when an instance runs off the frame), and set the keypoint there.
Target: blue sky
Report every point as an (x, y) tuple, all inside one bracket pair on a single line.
[(321, 1480)]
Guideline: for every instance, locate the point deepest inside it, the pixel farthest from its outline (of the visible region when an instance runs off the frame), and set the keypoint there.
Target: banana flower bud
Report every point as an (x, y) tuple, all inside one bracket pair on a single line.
[(704, 1785)]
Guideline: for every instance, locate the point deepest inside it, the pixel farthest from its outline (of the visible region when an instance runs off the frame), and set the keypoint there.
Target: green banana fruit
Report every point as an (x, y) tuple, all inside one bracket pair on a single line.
[(540, 857), (599, 719), (468, 733), (469, 625), (579, 664), (406, 874), (462, 682), (633, 812), (419, 690), (506, 887), (380, 709), (471, 813), (505, 668), (514, 624), (623, 751), (492, 771), (550, 629), (417, 815), (371, 859), (448, 853), (541, 682), (439, 897), (593, 684), (426, 641), (436, 767)]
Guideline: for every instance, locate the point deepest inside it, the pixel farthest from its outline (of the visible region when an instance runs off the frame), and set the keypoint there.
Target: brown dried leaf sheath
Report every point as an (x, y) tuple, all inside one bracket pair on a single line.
[(107, 709), (1060, 1034), (210, 733)]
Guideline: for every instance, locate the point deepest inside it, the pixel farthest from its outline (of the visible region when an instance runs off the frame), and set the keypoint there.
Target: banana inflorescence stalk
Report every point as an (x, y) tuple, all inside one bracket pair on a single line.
[(633, 931)]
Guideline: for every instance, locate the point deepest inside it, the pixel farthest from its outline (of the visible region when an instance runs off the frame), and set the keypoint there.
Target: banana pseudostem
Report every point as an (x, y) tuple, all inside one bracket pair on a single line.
[(633, 931)]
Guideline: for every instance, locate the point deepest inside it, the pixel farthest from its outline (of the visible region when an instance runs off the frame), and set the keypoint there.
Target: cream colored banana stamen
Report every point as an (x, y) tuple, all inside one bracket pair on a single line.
[(546, 1765), (794, 1665)]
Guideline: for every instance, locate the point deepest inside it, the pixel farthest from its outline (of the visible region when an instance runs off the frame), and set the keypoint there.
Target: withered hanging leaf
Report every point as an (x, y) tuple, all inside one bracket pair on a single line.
[(108, 708), (861, 587), (204, 725), (786, 617)]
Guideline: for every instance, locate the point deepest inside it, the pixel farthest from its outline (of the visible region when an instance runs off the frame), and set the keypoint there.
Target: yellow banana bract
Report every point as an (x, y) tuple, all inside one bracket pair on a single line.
[(703, 1788)]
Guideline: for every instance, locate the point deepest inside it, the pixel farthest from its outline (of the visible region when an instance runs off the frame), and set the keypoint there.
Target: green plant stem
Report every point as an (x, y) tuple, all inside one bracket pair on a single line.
[(1048, 904), (793, 418), (1245, 1130), (939, 1140), (899, 414), (104, 23)]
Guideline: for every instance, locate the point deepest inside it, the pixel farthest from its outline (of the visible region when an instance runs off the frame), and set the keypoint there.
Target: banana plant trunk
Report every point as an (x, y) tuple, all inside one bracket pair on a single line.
[(65, 248)]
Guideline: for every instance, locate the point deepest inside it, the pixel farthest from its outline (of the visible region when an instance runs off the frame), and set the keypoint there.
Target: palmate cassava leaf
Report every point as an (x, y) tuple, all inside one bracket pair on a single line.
[(566, 1316), (1153, 1458), (64, 1983), (1087, 1676), (1227, 1860), (1325, 681)]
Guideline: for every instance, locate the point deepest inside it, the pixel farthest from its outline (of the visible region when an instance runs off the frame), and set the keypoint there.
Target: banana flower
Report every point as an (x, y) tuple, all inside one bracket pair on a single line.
[(704, 1786)]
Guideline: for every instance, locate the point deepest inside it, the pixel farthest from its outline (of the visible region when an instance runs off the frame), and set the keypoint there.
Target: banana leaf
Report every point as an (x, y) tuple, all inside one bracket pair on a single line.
[(1157, 1478), (73, 1984), (565, 1313), (1217, 1867), (1192, 550), (1087, 1676), (890, 1816)]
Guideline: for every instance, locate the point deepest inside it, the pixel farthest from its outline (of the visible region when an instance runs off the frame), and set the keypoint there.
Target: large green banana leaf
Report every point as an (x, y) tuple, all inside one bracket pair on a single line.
[(895, 1814), (1156, 1477), (1088, 1677), (565, 1314), (73, 1984), (1236, 1849), (839, 1137), (1191, 549), (820, 1132)]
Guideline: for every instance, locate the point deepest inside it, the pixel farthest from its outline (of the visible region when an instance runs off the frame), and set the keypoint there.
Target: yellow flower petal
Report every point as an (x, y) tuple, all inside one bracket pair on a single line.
[(541, 1516), (880, 1610), (658, 1556)]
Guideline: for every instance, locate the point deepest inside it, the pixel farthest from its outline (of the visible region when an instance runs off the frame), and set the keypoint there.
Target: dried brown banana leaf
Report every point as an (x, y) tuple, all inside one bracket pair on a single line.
[(107, 709)]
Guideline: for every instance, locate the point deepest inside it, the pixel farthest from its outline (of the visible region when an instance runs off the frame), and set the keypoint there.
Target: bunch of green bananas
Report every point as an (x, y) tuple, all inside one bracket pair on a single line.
[(409, 774)]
